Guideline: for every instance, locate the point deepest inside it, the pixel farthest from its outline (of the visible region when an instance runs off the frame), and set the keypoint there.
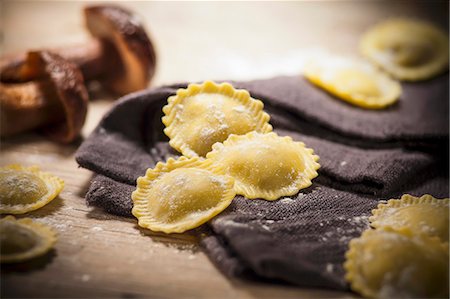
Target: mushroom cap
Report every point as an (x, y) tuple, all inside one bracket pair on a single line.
[(124, 37), (10, 67), (68, 87)]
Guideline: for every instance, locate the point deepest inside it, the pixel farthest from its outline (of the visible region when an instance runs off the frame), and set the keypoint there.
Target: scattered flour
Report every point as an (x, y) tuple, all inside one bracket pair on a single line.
[(229, 222), (239, 109), (343, 235), (154, 151), (286, 200), (265, 227), (329, 268), (96, 229)]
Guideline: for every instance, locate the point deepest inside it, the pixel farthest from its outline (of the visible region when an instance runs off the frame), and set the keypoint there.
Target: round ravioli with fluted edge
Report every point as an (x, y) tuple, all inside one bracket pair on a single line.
[(408, 49), (353, 81), (384, 263), (24, 189), (201, 115), (424, 214), (24, 239), (181, 194), (266, 165)]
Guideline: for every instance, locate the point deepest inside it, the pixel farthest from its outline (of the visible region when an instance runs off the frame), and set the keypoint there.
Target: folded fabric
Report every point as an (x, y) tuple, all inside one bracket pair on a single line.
[(112, 196), (372, 171), (421, 114), (300, 239), (129, 139)]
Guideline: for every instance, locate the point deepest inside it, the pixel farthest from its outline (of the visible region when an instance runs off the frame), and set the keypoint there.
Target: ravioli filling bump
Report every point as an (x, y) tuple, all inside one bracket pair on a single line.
[(24, 239), (266, 165), (408, 49), (425, 214), (201, 115), (353, 81), (181, 194), (385, 264), (24, 189), (406, 255)]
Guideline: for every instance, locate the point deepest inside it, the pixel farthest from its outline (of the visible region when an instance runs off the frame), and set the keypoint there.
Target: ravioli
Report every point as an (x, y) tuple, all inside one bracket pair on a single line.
[(353, 81), (181, 194), (266, 165), (24, 239), (426, 215), (387, 264), (201, 115), (24, 189), (408, 49)]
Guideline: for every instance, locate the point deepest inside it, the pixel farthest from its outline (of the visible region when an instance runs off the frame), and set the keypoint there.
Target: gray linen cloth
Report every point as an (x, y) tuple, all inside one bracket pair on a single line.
[(365, 156)]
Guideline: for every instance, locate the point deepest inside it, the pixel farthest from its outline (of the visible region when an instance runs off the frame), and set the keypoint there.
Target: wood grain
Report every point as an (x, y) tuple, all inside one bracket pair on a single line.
[(99, 255)]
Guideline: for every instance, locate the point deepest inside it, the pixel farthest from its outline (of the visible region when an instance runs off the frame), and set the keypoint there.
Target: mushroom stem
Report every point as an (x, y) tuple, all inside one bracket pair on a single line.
[(48, 93), (25, 106)]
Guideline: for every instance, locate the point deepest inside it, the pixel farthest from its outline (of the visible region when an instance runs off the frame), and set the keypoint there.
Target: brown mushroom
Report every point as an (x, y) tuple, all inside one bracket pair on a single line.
[(51, 96), (120, 56)]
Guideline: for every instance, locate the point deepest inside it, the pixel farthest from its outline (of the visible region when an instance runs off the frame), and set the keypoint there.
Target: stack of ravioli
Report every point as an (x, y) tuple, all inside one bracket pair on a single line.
[(406, 254), (228, 148)]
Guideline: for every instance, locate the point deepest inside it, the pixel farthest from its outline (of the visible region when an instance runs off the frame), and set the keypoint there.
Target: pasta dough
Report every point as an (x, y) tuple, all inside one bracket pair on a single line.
[(387, 264), (407, 49), (353, 81), (24, 189), (201, 115), (24, 239), (425, 214), (266, 165), (181, 194)]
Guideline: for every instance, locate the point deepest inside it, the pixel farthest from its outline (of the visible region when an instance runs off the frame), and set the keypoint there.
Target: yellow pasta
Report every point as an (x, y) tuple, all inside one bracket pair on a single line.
[(408, 49), (181, 194), (24, 189), (426, 215), (353, 81), (266, 165), (384, 263), (24, 239), (201, 115)]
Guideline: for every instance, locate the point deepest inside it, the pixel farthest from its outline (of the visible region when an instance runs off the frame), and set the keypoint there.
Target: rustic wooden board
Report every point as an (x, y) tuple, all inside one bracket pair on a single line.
[(99, 255)]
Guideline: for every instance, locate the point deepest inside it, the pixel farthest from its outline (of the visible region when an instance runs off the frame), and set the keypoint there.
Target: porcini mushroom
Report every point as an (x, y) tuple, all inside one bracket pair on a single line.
[(120, 55), (51, 96)]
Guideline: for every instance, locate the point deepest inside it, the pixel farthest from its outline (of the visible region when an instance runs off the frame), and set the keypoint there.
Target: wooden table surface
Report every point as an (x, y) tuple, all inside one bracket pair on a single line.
[(100, 255)]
